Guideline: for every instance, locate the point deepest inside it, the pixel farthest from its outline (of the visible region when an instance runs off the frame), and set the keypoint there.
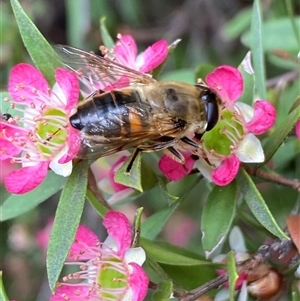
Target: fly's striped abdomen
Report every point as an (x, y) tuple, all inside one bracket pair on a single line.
[(112, 114)]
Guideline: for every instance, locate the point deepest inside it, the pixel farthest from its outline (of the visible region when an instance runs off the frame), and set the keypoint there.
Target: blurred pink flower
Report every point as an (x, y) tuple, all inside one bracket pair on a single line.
[(233, 139), (104, 170), (40, 138), (111, 270)]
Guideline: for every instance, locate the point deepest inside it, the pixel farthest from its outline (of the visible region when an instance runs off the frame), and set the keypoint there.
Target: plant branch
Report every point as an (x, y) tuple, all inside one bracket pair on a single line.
[(278, 249), (273, 177), (92, 186)]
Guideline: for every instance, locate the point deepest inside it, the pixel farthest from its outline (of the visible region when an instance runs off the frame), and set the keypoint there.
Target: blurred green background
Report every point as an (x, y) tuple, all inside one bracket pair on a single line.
[(212, 32)]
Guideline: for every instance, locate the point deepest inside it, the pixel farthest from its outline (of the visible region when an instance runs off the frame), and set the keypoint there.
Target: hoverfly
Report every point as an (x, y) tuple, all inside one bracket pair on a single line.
[(146, 114)]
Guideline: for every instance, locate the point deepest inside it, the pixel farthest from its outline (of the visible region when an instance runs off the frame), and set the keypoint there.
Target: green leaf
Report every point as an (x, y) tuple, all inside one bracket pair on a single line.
[(246, 69), (232, 273), (5, 105), (257, 204), (106, 37), (3, 295), (257, 50), (190, 277), (217, 217), (97, 205), (171, 255), (279, 135), (153, 225), (42, 54), (133, 178), (78, 15), (202, 70), (163, 291), (16, 205), (66, 221), (182, 75), (277, 33), (237, 24)]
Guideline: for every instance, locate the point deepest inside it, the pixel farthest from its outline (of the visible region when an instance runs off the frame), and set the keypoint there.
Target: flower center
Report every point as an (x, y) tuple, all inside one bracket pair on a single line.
[(51, 130), (224, 137), (112, 278)]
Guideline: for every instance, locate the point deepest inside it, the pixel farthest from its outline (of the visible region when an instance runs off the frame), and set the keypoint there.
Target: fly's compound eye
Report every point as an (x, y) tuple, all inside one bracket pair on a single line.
[(212, 109)]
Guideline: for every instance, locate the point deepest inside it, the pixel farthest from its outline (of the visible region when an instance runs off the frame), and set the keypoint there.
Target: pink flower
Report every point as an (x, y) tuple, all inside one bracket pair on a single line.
[(104, 170), (125, 54), (40, 137), (174, 170), (233, 139), (110, 270)]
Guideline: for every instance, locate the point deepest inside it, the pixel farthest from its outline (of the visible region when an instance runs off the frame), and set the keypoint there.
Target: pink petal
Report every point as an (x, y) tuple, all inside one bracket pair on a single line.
[(84, 238), (68, 82), (23, 80), (6, 167), (111, 175), (126, 49), (154, 55), (264, 117), (227, 81), (138, 282), (297, 129), (27, 178), (227, 171), (8, 149), (76, 292), (74, 143), (118, 228), (173, 170)]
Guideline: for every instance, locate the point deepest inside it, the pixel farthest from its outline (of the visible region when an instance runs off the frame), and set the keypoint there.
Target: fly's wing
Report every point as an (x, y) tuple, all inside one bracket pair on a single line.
[(97, 72), (139, 130)]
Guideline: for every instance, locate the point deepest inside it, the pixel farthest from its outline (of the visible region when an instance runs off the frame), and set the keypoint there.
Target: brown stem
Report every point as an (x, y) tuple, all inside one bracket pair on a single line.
[(92, 186), (273, 177), (276, 250)]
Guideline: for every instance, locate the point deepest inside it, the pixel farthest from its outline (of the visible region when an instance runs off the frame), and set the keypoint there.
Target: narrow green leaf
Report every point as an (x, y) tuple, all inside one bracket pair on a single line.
[(106, 37), (257, 50), (171, 255), (293, 20), (277, 34), (78, 18), (66, 221), (163, 291), (97, 205), (153, 225), (217, 217), (16, 205), (190, 277), (232, 274), (3, 295), (257, 204), (42, 54), (279, 135), (133, 178)]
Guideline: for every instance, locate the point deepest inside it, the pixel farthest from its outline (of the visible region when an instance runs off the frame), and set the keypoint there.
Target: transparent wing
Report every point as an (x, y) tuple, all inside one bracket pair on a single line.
[(99, 72)]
